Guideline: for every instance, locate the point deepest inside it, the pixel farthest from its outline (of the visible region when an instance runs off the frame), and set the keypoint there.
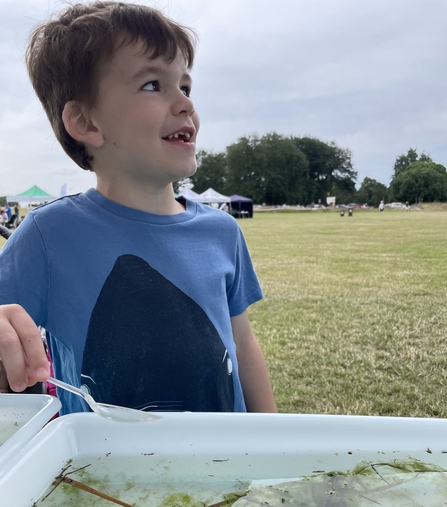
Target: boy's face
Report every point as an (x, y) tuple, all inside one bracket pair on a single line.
[(146, 118)]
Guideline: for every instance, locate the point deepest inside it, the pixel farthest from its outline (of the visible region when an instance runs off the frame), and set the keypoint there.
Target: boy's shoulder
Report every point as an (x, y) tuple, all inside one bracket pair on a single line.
[(73, 202), (217, 215), (59, 201)]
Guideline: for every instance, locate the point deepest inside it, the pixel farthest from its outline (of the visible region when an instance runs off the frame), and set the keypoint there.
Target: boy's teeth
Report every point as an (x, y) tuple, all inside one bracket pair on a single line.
[(177, 134)]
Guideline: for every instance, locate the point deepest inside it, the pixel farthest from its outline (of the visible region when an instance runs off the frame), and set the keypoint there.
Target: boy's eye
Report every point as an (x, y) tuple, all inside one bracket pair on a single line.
[(186, 90), (152, 86)]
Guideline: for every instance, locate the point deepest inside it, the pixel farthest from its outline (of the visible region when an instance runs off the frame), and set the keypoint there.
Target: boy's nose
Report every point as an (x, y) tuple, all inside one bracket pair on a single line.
[(183, 105)]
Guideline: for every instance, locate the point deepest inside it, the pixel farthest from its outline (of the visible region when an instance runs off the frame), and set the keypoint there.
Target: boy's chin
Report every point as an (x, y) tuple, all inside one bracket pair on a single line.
[(192, 172), (188, 172)]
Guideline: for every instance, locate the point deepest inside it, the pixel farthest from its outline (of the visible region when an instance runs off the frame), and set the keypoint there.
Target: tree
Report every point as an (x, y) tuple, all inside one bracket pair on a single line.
[(421, 181), (343, 176), (285, 170), (245, 174), (330, 169), (404, 161), (211, 172), (278, 170), (270, 169), (371, 192)]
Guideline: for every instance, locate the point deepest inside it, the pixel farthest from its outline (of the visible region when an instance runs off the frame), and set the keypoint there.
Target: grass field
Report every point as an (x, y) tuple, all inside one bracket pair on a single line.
[(355, 312), (354, 317)]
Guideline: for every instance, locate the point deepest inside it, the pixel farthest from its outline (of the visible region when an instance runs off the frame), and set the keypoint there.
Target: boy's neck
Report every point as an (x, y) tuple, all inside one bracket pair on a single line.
[(157, 201)]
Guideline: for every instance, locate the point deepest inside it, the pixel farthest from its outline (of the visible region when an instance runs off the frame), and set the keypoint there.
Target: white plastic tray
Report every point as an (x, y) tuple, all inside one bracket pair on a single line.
[(21, 417), (183, 448)]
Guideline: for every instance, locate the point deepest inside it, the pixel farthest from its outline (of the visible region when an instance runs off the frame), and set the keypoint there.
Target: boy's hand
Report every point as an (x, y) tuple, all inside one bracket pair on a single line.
[(23, 359)]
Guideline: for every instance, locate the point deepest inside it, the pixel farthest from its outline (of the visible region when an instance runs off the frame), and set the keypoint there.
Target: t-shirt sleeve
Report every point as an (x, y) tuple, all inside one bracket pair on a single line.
[(245, 288), (24, 271)]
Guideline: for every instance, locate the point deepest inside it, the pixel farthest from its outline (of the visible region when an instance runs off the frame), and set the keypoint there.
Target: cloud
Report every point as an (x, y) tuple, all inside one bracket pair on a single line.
[(367, 74)]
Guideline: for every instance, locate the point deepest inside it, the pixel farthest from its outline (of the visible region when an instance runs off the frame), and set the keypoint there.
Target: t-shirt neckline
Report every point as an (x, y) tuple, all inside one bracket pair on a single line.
[(141, 216)]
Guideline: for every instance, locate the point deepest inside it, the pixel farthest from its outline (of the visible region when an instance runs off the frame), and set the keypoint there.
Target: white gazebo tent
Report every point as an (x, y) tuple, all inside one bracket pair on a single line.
[(191, 195), (213, 198)]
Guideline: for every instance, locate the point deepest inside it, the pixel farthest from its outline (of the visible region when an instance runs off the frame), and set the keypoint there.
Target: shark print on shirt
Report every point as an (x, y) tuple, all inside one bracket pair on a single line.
[(151, 347)]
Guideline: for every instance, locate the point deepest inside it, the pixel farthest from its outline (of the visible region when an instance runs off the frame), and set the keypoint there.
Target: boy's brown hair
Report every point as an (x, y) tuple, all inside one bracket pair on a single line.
[(65, 55)]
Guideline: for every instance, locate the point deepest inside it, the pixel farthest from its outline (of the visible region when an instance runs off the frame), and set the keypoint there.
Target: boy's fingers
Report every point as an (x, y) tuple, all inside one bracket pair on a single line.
[(13, 358), (3, 380), (21, 349)]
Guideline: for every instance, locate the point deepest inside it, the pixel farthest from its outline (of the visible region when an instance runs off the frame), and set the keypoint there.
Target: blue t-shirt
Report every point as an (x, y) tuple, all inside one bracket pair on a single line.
[(137, 305)]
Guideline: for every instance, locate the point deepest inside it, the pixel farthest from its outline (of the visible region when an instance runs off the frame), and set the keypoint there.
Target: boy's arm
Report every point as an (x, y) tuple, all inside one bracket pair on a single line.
[(23, 361), (253, 373)]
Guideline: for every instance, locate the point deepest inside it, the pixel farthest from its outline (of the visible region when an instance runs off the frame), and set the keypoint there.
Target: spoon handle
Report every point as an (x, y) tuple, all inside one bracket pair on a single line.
[(67, 387)]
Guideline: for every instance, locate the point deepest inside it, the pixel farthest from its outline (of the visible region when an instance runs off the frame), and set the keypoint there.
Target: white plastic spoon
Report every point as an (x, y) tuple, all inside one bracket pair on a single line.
[(114, 412)]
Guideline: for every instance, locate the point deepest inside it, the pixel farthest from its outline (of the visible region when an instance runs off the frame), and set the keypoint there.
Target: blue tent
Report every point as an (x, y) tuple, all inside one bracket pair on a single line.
[(242, 205)]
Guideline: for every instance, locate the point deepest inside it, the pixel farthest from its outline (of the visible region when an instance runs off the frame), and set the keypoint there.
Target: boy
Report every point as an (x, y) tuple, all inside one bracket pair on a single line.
[(144, 300)]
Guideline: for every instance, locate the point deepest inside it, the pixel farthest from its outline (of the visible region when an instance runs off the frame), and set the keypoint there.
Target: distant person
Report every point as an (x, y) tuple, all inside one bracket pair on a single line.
[(4, 215), (144, 299), (407, 206), (381, 205), (17, 209), (7, 208), (29, 207)]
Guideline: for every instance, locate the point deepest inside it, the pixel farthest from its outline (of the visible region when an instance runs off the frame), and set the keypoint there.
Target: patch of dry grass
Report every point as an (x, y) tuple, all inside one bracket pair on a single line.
[(354, 318)]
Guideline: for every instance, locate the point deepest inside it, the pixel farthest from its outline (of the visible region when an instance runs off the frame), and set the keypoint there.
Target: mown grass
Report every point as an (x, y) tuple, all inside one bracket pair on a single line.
[(354, 317)]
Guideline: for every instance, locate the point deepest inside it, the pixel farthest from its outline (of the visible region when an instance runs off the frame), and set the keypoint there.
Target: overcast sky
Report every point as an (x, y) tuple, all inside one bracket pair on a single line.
[(370, 75)]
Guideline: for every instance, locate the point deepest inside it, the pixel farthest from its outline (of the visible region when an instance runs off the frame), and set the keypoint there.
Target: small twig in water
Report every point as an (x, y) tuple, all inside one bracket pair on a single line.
[(58, 479), (229, 501), (62, 477), (374, 468), (219, 504), (84, 487)]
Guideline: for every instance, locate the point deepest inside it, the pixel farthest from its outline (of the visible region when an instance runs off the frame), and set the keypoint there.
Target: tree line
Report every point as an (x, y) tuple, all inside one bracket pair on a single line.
[(276, 169), (416, 178)]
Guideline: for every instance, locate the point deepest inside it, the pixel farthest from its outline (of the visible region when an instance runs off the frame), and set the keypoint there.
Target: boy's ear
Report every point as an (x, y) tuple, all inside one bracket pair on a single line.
[(79, 125)]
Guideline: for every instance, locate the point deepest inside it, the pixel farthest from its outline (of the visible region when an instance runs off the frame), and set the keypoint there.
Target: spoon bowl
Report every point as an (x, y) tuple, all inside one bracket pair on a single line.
[(113, 412)]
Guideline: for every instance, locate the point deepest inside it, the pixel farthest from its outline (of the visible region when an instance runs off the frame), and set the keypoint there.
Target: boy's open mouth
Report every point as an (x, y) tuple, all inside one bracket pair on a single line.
[(181, 135)]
